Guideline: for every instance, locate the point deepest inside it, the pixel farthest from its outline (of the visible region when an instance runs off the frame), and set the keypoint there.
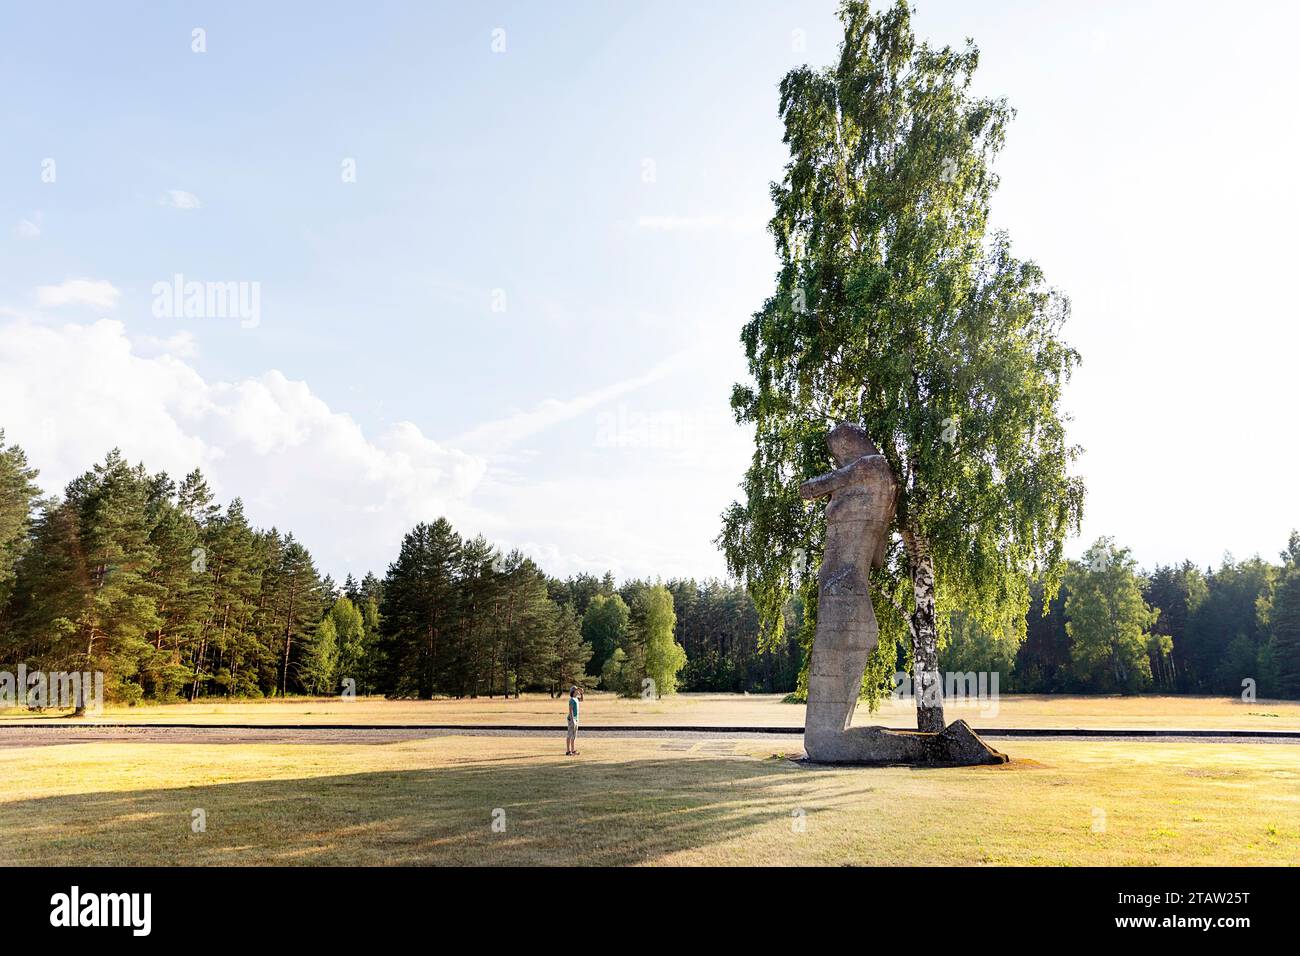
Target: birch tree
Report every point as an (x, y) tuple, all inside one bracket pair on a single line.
[(896, 308)]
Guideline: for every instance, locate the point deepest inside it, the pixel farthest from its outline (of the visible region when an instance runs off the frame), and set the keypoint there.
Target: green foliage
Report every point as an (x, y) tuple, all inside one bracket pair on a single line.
[(1235, 605), (972, 647), (605, 627), (170, 595), (664, 657), (717, 626), (569, 653), (1284, 653), (18, 497), (1109, 622), (458, 618), (319, 659), (615, 676), (338, 648), (1178, 591), (894, 308)]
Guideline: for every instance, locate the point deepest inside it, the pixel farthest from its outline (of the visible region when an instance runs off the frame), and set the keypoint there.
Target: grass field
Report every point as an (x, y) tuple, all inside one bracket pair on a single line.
[(714, 710), (642, 801), (327, 798)]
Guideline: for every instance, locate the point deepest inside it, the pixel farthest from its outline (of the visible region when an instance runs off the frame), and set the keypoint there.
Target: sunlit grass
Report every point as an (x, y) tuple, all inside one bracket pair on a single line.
[(686, 801), (713, 710)]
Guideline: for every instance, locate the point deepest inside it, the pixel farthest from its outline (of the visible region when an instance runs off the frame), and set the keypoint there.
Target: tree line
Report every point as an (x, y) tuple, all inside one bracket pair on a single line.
[(172, 596), (1113, 628)]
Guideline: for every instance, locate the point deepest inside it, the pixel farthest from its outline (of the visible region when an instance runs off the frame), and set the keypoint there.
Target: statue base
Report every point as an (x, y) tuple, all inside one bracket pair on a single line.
[(954, 746)]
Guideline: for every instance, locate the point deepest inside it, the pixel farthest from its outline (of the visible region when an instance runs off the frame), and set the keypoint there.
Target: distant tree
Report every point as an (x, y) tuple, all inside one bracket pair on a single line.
[(604, 627), (615, 677), (897, 309), (295, 600), (523, 617), (1177, 590), (1109, 622), (236, 561), (478, 587), (349, 631), (1290, 554), (18, 499), (1043, 659), (579, 591), (664, 657), (319, 657), (570, 653), (1235, 606), (972, 647), (419, 609), (1285, 648), (89, 598)]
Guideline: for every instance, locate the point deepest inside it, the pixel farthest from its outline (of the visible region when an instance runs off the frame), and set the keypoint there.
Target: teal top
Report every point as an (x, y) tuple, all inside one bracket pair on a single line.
[(573, 707)]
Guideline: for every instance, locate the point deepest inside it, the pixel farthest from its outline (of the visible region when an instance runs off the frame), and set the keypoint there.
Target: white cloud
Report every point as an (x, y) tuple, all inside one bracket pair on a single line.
[(180, 199), (71, 393), (100, 294), (181, 345)]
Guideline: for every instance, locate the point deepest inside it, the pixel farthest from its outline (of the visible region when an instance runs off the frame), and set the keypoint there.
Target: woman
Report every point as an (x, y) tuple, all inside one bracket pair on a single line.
[(575, 696)]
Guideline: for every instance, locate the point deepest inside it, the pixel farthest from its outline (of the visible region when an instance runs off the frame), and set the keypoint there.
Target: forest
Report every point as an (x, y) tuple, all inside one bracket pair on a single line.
[(173, 596)]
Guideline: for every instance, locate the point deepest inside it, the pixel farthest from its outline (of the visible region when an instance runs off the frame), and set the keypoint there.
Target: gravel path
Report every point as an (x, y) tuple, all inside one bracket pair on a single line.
[(29, 735)]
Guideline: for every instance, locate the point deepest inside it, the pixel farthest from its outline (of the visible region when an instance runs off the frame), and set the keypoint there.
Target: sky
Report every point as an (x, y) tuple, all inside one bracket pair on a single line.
[(494, 258)]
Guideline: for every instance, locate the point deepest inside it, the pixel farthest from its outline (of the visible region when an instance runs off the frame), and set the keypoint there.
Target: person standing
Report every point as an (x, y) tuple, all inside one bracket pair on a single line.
[(575, 699)]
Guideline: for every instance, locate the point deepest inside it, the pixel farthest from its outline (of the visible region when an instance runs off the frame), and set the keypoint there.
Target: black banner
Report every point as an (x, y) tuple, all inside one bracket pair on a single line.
[(967, 906)]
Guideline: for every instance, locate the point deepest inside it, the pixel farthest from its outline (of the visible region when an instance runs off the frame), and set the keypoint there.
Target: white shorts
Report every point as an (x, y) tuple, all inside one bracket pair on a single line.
[(573, 726)]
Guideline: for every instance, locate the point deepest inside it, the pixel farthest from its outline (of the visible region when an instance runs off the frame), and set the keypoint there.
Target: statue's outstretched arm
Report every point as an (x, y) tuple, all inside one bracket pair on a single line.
[(823, 485)]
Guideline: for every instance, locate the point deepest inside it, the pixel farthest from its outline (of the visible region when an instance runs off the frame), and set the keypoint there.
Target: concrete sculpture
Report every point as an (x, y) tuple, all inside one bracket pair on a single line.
[(862, 495)]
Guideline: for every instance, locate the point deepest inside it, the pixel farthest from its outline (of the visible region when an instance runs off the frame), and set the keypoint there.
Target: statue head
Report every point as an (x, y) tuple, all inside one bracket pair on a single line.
[(848, 442)]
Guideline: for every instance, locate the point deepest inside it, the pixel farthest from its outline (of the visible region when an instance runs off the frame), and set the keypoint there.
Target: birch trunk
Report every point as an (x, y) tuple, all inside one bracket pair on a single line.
[(927, 685)]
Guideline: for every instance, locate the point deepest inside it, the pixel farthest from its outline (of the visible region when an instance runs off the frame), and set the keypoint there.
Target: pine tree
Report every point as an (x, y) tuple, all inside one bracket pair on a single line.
[(522, 632), (18, 498), (184, 589), (569, 652), (419, 609), (234, 563), (114, 605), (1285, 623), (295, 602), (478, 584)]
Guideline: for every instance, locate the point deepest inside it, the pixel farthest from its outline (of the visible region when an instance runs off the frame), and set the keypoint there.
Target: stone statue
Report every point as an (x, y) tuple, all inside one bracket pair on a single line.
[(858, 518)]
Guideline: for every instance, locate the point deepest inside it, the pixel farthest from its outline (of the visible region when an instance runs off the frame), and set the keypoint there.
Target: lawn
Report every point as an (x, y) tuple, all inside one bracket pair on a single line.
[(641, 801), (713, 710)]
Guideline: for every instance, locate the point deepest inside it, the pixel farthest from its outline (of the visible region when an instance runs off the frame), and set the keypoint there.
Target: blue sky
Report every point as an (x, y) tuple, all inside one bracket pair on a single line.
[(605, 177)]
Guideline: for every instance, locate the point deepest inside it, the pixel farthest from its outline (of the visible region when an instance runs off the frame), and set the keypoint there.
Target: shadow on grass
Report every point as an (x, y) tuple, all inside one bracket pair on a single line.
[(599, 814)]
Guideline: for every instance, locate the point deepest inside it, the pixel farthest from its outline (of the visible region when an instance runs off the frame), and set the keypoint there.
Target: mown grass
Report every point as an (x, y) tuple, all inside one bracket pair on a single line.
[(712, 710), (642, 801)]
